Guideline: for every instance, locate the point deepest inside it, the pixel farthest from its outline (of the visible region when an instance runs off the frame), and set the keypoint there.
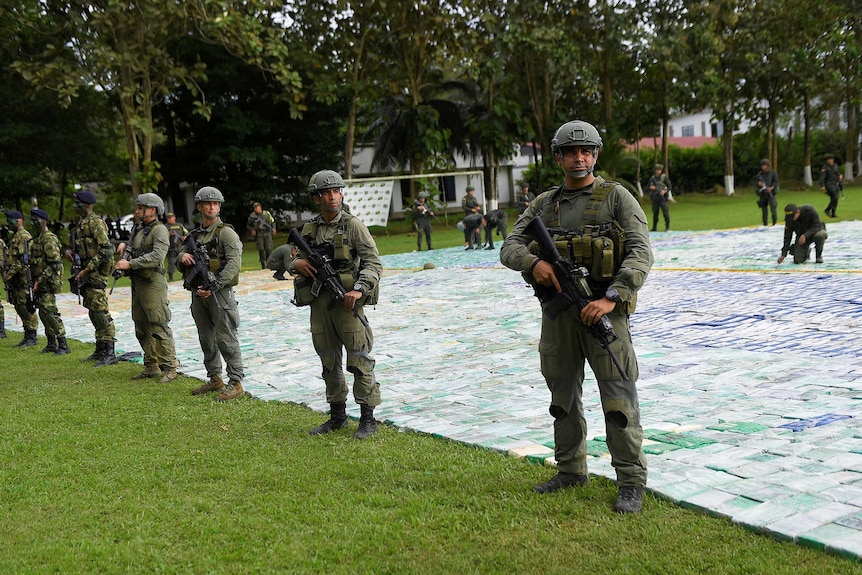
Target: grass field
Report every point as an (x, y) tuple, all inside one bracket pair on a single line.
[(101, 474)]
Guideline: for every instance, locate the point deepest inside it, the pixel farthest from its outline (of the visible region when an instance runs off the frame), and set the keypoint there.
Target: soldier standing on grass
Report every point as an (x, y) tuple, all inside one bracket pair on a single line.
[(339, 325), (90, 242), (586, 207), (261, 224), (16, 277), (176, 236), (3, 271), (47, 272), (151, 312), (215, 310)]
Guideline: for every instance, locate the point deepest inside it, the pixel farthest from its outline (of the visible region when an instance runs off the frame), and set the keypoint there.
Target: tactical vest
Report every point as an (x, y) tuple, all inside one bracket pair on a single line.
[(39, 265), (211, 247), (146, 247), (598, 247), (343, 256)]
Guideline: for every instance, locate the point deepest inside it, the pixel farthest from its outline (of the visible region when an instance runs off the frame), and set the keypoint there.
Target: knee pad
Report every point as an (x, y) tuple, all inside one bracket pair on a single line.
[(617, 419)]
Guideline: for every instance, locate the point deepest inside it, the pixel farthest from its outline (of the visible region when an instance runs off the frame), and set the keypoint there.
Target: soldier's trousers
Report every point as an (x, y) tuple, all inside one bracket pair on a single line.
[(563, 348), (19, 300), (152, 315), (334, 329), (801, 253), (217, 319), (423, 228), (264, 247), (50, 315), (96, 302)]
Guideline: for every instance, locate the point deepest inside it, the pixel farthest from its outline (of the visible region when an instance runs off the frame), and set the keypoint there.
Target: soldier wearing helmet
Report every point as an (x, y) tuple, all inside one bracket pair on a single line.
[(215, 310), (767, 187), (339, 325), (261, 226), (90, 244), (16, 279), (587, 210), (831, 183), (46, 270), (143, 261)]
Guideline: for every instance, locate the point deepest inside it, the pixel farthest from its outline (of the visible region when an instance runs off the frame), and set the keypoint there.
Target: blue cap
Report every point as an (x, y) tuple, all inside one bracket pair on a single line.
[(14, 215), (86, 197), (41, 213)]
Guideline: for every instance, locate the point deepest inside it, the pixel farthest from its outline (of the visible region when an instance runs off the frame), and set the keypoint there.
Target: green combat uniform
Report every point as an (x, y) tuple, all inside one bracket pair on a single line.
[(262, 224), (566, 343), (217, 317), (280, 260), (332, 327), (3, 271), (47, 273), (422, 218), (90, 241), (830, 181), (176, 233), (151, 311), (767, 188), (809, 225), (16, 274)]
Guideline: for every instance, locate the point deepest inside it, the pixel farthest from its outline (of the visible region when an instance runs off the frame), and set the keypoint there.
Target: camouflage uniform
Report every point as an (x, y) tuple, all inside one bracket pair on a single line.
[(97, 256), (3, 271), (565, 343), (18, 288), (217, 317), (151, 311), (47, 271)]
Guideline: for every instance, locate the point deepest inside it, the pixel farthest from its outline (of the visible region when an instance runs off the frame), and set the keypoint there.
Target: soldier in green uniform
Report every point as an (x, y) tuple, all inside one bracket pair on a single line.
[(176, 236), (525, 198), (589, 211), (767, 187), (659, 193), (16, 276), (335, 325), (422, 215), (3, 271), (46, 269), (280, 259), (803, 222), (471, 207), (151, 312), (215, 310), (831, 183), (261, 224), (90, 242)]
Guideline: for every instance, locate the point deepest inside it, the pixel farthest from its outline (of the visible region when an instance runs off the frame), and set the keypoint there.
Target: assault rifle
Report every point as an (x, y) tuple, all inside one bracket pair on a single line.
[(326, 275), (575, 291), (31, 300), (201, 276), (117, 274)]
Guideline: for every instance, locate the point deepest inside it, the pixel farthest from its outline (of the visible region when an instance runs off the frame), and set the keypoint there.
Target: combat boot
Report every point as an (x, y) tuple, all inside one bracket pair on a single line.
[(337, 419), (234, 390), (62, 346), (29, 339), (367, 423), (561, 480), (214, 384), (169, 373), (630, 499), (150, 372), (97, 353), (108, 356), (52, 345)]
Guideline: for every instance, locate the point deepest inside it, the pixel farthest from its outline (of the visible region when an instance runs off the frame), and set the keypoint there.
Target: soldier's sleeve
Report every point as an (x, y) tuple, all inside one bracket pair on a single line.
[(638, 258), (232, 246), (514, 253), (15, 257), (154, 259), (822, 179), (105, 253), (370, 266), (53, 260)]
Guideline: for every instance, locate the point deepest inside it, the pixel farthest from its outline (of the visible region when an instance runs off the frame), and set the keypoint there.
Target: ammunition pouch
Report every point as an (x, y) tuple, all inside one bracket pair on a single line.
[(600, 249), (302, 295)]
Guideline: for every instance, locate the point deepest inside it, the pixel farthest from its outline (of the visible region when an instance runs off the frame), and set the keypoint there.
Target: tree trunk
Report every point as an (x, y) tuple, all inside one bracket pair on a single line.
[(806, 140), (349, 138)]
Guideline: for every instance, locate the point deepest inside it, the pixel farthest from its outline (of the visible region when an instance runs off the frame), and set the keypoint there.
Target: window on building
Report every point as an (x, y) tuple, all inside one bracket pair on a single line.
[(687, 131)]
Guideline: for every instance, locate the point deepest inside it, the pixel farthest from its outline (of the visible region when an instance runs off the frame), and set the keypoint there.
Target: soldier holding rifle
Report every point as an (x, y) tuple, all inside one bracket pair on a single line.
[(20, 290), (600, 232)]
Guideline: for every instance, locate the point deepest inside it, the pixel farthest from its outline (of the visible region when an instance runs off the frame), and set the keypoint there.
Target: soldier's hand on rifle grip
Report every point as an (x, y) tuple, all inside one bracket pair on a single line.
[(543, 273), (123, 265), (594, 310), (350, 299), (188, 259), (304, 267), (204, 293)]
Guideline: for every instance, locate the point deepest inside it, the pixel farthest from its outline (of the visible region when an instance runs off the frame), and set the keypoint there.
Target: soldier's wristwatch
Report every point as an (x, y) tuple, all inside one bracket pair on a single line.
[(613, 295), (359, 288)]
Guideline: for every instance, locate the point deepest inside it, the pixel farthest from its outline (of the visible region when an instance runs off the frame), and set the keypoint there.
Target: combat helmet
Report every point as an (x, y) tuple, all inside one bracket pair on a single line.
[(325, 180), (209, 194), (151, 201), (576, 133)]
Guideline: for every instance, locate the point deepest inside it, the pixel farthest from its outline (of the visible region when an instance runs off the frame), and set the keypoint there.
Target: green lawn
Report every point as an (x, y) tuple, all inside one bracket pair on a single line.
[(102, 475)]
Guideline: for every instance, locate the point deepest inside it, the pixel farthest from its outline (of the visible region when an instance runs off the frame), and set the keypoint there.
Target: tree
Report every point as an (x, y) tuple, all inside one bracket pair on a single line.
[(123, 49)]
